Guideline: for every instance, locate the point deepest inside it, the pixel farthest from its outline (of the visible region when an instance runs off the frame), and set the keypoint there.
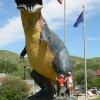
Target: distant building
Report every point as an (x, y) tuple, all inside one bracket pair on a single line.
[(98, 72)]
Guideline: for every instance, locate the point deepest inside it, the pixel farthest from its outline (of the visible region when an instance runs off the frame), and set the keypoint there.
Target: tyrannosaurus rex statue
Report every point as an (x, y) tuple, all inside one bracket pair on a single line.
[(47, 54)]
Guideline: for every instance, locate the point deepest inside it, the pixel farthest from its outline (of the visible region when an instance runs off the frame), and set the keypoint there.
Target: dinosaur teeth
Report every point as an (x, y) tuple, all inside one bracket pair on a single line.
[(21, 5), (31, 8), (18, 5), (36, 6), (25, 7)]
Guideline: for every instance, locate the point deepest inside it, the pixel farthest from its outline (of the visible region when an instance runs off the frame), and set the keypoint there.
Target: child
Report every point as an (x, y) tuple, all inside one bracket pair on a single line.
[(61, 82)]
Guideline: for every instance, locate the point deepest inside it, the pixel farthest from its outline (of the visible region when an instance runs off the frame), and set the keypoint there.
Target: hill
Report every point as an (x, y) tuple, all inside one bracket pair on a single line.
[(78, 60), (22, 68), (15, 58), (7, 55)]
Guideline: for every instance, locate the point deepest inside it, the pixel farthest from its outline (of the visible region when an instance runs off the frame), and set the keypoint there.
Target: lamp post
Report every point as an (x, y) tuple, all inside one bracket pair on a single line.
[(24, 72)]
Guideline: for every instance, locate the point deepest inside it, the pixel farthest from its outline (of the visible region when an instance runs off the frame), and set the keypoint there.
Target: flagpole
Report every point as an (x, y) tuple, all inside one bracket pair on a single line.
[(65, 22), (84, 35)]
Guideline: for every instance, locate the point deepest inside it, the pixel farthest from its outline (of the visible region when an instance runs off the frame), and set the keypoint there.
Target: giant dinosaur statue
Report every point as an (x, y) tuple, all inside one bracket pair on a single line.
[(46, 52)]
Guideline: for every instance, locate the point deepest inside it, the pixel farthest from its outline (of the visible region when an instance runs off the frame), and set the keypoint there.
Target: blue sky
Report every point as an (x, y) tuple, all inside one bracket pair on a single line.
[(12, 35)]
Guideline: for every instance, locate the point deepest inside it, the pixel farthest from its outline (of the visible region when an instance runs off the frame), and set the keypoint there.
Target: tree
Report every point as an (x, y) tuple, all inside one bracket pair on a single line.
[(96, 82), (79, 77), (91, 74)]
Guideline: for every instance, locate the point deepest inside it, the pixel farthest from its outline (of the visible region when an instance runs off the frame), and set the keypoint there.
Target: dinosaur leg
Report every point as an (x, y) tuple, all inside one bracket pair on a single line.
[(47, 88)]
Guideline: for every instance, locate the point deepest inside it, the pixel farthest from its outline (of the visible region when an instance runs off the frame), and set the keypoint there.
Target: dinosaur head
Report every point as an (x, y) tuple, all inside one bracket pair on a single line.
[(29, 5)]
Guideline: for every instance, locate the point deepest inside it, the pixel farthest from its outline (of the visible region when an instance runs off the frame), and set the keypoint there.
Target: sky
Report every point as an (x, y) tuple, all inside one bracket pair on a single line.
[(12, 35)]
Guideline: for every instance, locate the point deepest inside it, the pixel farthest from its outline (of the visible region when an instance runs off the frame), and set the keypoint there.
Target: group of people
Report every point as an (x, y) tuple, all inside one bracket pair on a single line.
[(65, 83)]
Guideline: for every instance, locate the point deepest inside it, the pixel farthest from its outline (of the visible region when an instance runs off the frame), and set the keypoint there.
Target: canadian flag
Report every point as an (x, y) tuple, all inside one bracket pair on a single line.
[(60, 1)]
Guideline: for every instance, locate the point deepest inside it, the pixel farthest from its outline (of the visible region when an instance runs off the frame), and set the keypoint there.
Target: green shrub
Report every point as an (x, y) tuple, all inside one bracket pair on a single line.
[(14, 89), (7, 67)]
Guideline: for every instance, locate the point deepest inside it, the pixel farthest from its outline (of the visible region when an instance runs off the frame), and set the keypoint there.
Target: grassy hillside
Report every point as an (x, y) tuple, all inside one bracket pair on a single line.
[(94, 60), (15, 58), (78, 67), (78, 60), (7, 55)]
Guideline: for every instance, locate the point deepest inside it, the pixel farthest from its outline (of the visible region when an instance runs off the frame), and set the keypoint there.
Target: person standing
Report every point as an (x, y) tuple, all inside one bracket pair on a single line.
[(61, 82), (58, 86), (69, 81)]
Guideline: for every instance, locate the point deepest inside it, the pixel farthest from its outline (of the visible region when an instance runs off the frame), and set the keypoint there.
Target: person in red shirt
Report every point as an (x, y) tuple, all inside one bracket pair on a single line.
[(61, 82)]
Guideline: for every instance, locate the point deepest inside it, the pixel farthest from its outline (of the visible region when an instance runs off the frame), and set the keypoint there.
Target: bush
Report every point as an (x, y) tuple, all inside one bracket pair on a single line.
[(96, 82), (13, 89), (7, 67)]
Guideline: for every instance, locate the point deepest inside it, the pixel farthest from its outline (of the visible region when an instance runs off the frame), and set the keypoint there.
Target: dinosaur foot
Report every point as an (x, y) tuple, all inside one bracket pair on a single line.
[(46, 94)]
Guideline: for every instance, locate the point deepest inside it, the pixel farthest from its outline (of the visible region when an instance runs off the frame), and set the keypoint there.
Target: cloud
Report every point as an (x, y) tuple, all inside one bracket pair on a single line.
[(1, 5), (11, 32), (93, 39), (53, 12)]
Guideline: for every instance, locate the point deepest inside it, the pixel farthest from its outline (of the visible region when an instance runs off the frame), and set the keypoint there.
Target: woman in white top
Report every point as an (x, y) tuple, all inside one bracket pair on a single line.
[(69, 81)]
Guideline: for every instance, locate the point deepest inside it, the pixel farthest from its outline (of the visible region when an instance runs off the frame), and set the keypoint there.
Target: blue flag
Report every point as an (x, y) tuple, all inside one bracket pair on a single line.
[(79, 20)]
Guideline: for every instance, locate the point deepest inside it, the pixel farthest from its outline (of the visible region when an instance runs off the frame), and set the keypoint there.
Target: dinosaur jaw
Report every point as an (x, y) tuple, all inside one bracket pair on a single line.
[(30, 6)]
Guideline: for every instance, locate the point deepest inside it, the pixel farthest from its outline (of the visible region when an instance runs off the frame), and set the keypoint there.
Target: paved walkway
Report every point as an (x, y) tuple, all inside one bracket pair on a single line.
[(79, 98), (89, 98)]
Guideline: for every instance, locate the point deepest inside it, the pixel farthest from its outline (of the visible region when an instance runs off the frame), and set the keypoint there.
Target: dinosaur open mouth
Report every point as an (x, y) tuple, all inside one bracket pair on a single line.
[(29, 5)]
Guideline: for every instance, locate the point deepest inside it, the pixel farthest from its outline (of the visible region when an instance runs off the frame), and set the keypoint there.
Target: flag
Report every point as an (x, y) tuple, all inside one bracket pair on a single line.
[(60, 1), (79, 20)]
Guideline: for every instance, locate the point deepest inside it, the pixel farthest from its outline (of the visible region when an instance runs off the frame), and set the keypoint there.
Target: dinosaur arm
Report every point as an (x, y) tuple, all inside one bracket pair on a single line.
[(23, 53)]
